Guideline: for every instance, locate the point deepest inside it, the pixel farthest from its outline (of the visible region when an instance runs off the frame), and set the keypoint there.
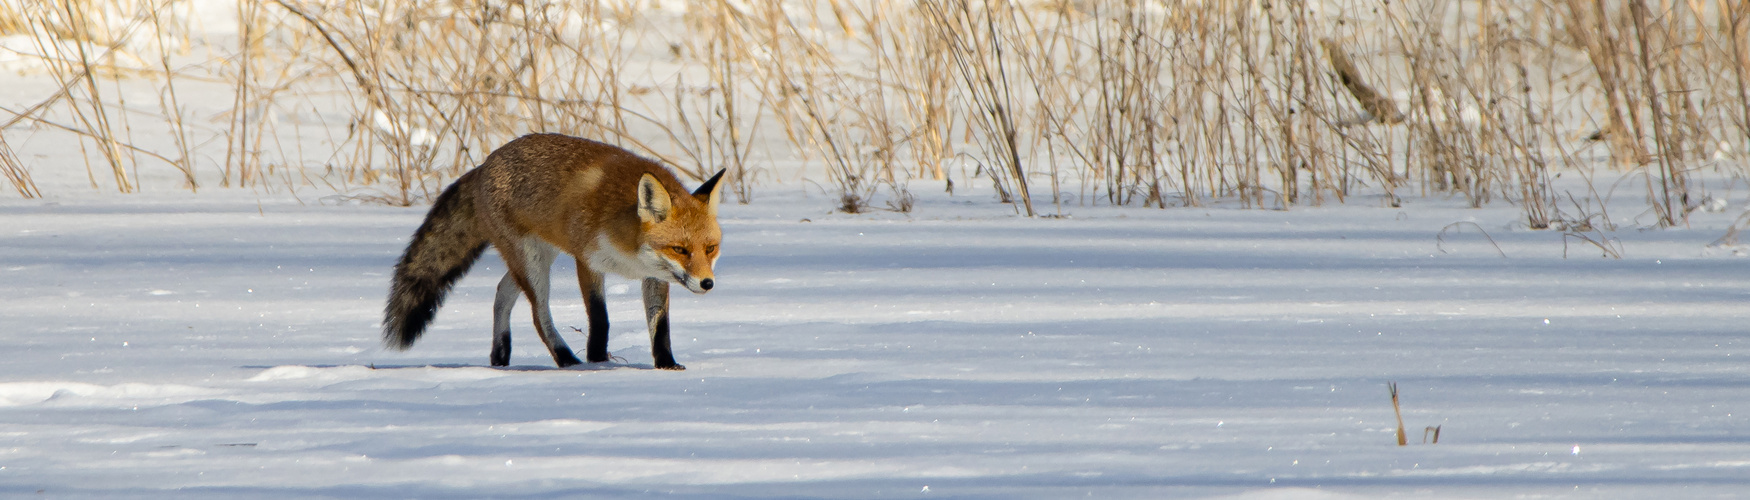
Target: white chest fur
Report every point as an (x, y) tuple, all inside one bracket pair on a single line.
[(645, 263)]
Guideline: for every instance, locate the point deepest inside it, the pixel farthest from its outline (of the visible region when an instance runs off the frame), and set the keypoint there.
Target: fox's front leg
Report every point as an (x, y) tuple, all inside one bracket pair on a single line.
[(656, 315), (596, 305)]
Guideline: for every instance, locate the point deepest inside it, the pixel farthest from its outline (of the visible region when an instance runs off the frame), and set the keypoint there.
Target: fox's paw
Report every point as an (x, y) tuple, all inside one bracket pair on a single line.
[(563, 358), (672, 366)]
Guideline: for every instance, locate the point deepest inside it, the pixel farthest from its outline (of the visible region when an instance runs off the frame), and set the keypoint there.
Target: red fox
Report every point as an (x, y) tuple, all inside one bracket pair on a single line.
[(542, 194)]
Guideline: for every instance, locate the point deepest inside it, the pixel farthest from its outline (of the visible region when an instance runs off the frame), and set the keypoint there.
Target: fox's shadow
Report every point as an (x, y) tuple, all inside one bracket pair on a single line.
[(585, 367)]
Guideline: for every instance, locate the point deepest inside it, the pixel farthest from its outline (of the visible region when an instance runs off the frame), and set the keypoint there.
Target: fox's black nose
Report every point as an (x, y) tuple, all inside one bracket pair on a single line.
[(705, 283)]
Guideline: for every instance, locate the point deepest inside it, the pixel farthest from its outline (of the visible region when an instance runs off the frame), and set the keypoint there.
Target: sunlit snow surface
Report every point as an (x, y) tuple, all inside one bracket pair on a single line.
[(224, 346)]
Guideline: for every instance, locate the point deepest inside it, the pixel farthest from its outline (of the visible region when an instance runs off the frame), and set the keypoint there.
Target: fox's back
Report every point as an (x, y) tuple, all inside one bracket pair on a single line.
[(568, 190)]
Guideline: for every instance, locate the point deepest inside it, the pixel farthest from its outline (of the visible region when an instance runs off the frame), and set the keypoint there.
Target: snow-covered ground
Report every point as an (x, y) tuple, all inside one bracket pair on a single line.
[(226, 344), (223, 346)]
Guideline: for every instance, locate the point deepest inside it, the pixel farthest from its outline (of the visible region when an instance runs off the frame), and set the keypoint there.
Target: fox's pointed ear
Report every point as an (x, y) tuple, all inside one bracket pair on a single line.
[(653, 202), (709, 192)]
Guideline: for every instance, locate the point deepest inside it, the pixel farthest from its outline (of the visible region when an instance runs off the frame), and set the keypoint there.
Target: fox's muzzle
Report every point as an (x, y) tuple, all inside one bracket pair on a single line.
[(697, 285), (693, 285)]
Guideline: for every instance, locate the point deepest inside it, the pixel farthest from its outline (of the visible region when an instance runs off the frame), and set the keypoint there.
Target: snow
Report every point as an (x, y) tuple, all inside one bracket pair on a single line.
[(226, 345)]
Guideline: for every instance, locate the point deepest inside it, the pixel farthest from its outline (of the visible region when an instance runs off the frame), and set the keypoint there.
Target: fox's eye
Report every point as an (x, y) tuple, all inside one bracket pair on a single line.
[(710, 249), (679, 250)]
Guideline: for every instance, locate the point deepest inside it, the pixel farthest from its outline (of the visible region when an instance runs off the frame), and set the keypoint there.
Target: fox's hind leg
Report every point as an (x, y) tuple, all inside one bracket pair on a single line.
[(656, 315), (501, 307), (530, 266)]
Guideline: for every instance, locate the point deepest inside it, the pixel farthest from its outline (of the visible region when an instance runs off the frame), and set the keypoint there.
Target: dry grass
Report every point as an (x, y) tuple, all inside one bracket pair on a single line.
[(1122, 102), (1399, 412), (16, 173)]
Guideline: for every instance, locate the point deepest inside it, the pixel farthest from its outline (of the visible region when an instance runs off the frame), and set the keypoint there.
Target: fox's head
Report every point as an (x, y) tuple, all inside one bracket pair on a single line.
[(681, 233)]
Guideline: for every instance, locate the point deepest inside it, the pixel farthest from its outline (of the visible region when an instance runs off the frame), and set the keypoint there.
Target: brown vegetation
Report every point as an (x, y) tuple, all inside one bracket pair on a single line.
[(1126, 102)]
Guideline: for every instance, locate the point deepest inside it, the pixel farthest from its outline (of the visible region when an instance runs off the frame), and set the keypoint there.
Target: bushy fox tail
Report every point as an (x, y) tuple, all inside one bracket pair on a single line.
[(442, 250)]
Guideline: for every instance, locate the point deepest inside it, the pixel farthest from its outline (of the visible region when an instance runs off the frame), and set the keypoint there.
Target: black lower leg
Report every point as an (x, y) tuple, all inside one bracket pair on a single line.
[(501, 348), (596, 347), (660, 350)]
